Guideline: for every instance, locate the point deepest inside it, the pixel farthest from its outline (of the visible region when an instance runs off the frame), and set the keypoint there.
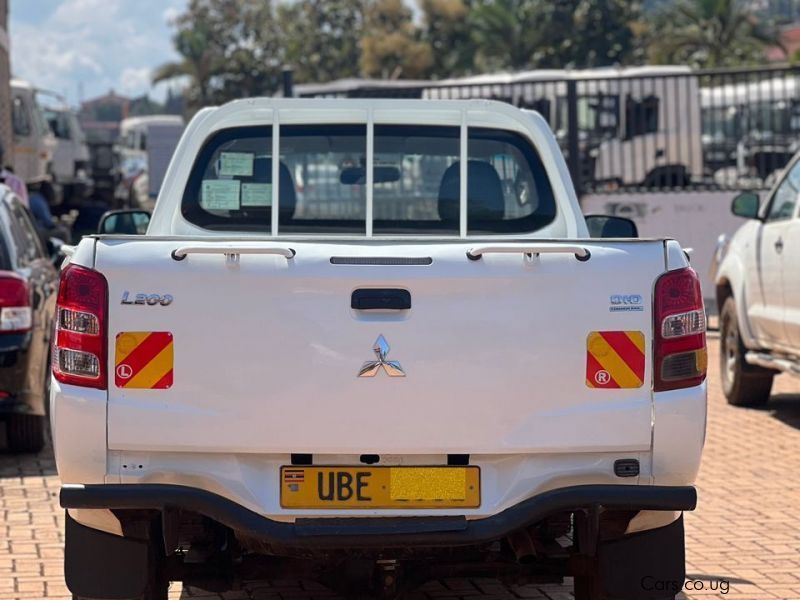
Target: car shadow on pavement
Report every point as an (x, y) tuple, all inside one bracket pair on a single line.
[(12, 464), (785, 408)]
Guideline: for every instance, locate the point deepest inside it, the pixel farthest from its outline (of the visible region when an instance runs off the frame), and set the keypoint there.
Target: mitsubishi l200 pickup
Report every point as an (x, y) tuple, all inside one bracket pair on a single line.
[(371, 342)]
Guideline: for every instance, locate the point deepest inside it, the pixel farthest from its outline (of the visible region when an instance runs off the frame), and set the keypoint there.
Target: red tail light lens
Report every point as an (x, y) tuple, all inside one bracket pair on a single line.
[(79, 351), (15, 305), (680, 353)]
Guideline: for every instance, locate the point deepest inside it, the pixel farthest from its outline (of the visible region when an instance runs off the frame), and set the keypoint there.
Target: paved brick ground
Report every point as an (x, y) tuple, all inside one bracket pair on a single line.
[(745, 531)]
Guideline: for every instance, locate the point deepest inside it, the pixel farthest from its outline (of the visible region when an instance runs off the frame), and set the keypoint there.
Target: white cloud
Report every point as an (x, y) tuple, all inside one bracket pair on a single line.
[(95, 44), (133, 81)]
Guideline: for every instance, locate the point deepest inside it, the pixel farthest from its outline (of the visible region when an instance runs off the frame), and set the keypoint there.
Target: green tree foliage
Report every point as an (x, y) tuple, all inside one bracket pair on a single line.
[(321, 38), (526, 34), (710, 33), (446, 29), (391, 47), (235, 48), (229, 49)]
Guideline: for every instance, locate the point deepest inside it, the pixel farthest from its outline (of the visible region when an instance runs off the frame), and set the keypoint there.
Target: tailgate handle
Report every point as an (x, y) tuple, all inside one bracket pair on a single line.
[(380, 299), (232, 252)]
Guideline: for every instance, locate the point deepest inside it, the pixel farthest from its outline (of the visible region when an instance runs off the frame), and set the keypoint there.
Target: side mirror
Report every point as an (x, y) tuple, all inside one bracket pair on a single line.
[(124, 222), (606, 226), (55, 248), (746, 205)]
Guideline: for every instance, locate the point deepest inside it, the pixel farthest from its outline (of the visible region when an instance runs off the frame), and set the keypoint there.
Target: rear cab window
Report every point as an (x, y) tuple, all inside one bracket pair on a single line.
[(322, 183)]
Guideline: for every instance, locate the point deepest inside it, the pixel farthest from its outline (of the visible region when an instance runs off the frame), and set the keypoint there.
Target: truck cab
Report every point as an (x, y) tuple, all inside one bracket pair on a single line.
[(144, 149), (71, 164), (34, 142)]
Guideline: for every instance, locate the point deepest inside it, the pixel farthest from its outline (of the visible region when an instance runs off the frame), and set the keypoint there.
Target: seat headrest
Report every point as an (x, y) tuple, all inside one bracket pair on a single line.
[(485, 199)]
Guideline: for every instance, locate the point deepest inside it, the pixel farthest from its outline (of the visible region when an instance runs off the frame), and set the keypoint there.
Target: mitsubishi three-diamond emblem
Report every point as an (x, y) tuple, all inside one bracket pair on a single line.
[(381, 350)]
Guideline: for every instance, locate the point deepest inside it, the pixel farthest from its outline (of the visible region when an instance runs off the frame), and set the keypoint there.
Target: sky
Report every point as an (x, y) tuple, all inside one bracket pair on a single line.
[(83, 48)]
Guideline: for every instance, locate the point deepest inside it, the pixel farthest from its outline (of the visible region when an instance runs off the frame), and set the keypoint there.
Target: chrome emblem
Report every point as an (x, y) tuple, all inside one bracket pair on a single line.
[(371, 367)]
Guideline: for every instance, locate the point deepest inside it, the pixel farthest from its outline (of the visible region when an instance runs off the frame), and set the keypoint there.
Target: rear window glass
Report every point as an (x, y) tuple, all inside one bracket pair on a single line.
[(323, 183)]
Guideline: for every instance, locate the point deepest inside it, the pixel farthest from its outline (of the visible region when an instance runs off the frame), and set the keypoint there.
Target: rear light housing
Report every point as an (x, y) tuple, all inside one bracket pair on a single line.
[(16, 315), (79, 348), (680, 356)]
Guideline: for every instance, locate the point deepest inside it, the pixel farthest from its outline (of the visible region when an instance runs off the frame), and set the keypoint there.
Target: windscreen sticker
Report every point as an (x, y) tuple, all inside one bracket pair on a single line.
[(615, 359), (144, 360), (256, 194), (220, 194), (236, 163)]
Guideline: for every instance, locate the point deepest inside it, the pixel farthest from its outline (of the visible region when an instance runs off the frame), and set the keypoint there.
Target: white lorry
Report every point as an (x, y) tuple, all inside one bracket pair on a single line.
[(758, 292), (389, 382), (144, 149), (34, 142), (71, 167)]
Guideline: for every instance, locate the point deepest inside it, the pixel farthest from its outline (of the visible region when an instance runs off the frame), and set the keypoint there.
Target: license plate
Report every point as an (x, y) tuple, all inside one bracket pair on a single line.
[(380, 487)]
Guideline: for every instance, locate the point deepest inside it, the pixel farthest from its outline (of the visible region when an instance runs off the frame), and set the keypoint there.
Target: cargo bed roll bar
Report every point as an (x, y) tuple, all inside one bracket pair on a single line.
[(581, 252)]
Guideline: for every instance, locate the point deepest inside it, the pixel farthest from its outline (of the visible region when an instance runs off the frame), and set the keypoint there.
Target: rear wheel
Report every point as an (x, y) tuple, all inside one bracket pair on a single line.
[(742, 384), (25, 432)]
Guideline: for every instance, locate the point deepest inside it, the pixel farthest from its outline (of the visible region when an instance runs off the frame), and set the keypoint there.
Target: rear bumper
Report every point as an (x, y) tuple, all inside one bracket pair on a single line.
[(383, 532)]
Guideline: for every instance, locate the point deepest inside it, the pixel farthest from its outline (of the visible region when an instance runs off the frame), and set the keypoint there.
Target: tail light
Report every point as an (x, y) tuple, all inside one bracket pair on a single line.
[(15, 305), (79, 351), (680, 353)]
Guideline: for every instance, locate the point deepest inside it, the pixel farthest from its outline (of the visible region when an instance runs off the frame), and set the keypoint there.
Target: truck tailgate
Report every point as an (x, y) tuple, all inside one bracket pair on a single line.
[(266, 352)]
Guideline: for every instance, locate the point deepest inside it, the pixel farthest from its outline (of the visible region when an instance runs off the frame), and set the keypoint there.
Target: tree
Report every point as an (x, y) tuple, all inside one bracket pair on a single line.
[(445, 28), (509, 34), (193, 42), (391, 47), (710, 33), (229, 49), (602, 33), (321, 38), (526, 34)]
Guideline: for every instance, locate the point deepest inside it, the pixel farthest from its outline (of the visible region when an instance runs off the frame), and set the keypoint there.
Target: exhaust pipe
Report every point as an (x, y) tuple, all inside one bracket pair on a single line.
[(523, 546)]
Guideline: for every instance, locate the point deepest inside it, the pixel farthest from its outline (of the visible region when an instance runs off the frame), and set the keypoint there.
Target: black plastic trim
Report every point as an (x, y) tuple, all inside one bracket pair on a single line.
[(380, 299), (405, 531)]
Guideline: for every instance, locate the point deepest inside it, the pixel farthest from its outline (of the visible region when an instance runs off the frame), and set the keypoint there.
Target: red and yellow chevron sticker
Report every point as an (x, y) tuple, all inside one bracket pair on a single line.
[(144, 360), (615, 359)]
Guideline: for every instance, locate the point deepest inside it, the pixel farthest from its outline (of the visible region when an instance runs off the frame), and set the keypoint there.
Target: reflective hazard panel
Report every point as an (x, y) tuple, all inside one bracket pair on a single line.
[(144, 360), (615, 359)]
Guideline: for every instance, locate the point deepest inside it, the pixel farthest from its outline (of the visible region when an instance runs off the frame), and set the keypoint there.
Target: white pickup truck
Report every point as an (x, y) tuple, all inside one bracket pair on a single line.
[(758, 293), (414, 364)]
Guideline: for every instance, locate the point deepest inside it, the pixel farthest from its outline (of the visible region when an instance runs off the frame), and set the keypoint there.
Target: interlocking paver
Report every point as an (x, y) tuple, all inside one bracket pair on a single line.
[(744, 530)]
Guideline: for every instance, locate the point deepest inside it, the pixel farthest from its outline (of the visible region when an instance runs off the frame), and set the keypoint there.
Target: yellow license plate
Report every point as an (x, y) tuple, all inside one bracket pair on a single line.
[(380, 487)]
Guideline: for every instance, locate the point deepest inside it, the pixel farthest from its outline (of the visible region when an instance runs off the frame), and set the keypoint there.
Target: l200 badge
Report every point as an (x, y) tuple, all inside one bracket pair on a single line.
[(146, 299)]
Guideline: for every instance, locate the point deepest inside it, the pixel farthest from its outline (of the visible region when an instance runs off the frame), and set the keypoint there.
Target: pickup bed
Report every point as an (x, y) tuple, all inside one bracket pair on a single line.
[(370, 342)]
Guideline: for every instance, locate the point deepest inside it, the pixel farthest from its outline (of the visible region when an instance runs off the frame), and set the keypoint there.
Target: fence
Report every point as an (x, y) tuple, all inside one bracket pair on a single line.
[(649, 128)]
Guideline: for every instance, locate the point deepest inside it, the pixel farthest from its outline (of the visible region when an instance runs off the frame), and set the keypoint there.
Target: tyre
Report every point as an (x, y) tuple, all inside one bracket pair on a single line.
[(742, 384), (25, 432)]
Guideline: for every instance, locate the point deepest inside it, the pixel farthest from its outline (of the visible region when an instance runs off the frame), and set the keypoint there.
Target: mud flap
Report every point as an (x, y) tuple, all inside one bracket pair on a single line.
[(644, 566), (102, 565)]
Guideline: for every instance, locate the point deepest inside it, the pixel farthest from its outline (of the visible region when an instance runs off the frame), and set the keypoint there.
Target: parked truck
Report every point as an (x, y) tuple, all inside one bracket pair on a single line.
[(144, 149), (382, 384), (34, 142), (758, 293), (71, 165)]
